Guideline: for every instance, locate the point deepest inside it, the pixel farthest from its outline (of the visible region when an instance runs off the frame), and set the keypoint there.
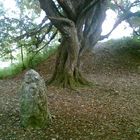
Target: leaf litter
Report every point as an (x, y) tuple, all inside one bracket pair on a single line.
[(108, 111)]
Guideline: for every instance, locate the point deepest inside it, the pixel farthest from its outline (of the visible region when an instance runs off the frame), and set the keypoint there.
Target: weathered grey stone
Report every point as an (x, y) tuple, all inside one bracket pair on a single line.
[(33, 100)]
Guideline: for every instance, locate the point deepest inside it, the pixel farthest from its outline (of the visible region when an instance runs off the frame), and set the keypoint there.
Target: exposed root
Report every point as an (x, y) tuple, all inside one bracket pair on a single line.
[(67, 80)]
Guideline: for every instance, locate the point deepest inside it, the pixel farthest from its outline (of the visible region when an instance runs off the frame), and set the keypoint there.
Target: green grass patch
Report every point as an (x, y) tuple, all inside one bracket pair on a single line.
[(126, 46), (10, 71), (31, 61), (127, 50)]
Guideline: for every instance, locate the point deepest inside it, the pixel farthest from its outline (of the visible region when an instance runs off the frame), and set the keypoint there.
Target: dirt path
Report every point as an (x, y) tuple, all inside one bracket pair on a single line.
[(109, 111)]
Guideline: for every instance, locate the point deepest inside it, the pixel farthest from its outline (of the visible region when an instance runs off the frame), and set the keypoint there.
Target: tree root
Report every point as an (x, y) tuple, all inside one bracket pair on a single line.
[(66, 80)]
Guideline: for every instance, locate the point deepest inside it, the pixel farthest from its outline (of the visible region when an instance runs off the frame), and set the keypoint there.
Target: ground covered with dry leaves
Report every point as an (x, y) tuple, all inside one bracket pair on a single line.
[(108, 111)]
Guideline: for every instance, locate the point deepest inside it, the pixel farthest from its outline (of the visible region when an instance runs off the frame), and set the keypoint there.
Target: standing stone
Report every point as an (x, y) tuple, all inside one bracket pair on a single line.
[(34, 111)]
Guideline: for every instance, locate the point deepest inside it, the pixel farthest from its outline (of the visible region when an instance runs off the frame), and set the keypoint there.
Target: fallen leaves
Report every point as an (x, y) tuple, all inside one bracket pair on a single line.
[(110, 110)]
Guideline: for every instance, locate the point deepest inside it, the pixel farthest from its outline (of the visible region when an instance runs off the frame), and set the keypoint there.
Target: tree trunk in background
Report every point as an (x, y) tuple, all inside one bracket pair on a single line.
[(80, 28), (66, 72)]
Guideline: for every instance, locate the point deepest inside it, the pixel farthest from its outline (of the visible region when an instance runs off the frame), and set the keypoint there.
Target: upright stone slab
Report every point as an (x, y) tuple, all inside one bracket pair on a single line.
[(34, 111)]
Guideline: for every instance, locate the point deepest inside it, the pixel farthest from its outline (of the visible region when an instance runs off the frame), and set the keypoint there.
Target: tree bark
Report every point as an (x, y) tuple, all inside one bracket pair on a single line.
[(67, 72), (80, 27)]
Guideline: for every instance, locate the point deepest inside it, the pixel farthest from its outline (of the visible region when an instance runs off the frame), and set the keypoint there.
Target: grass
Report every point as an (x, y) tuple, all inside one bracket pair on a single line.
[(126, 45), (33, 60), (10, 71), (29, 62), (126, 50)]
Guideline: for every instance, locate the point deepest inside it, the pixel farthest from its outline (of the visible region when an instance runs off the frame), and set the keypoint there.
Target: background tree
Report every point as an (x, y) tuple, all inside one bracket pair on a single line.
[(126, 11), (21, 32), (79, 23)]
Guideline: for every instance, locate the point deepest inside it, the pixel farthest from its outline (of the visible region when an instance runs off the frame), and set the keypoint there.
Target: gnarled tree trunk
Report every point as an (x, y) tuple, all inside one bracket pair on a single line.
[(67, 72), (80, 27)]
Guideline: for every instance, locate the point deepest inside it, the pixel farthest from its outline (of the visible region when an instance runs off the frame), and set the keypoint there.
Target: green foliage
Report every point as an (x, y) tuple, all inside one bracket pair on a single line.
[(12, 27), (14, 69), (21, 33), (10, 71), (124, 3), (30, 5), (33, 60), (126, 46), (124, 8)]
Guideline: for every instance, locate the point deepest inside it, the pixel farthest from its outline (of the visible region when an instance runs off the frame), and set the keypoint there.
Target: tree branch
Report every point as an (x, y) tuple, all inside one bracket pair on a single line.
[(50, 8), (68, 8), (90, 5), (126, 16), (36, 30), (53, 14), (51, 38)]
